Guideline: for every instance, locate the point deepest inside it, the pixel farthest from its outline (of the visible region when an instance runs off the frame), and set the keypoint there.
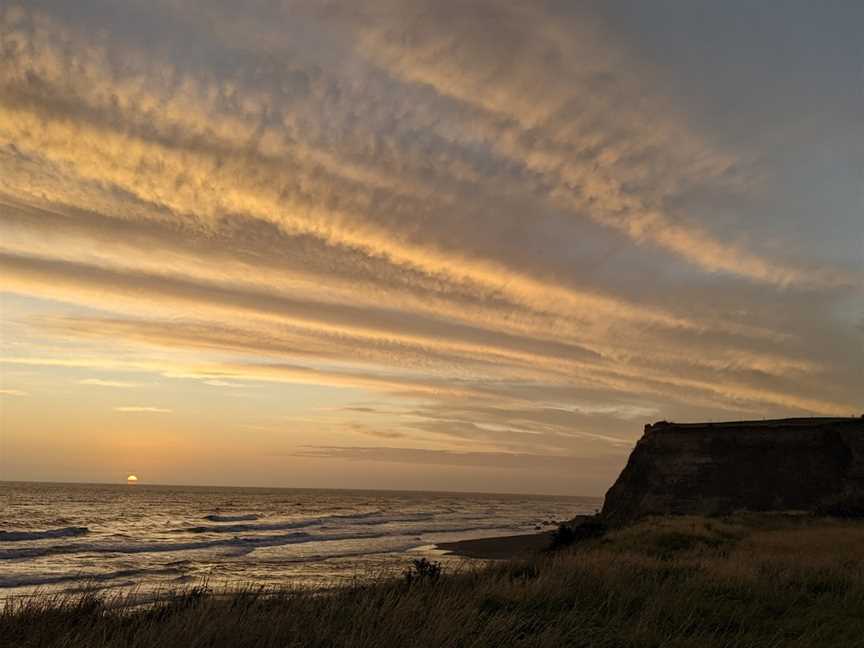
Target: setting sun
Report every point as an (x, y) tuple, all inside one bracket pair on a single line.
[(132, 479)]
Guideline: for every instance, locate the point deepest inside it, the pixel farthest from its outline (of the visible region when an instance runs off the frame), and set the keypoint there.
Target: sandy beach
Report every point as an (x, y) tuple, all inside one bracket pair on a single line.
[(500, 548)]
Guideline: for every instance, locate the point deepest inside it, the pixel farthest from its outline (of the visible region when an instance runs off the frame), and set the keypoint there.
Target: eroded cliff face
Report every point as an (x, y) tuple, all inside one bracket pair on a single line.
[(717, 468)]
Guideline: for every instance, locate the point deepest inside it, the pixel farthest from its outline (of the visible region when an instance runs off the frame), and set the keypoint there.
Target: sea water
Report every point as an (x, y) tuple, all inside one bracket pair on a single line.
[(66, 537)]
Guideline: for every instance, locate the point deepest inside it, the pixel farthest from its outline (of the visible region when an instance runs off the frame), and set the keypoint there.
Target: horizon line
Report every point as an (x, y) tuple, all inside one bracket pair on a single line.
[(307, 488)]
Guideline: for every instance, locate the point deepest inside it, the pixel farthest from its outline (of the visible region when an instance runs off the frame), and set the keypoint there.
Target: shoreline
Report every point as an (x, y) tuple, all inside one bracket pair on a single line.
[(500, 547)]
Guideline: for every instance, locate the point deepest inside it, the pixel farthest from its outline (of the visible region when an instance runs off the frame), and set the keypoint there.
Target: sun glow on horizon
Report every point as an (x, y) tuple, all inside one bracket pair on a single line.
[(132, 479)]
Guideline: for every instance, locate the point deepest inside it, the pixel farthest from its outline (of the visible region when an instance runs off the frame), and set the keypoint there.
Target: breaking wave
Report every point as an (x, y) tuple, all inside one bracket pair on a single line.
[(362, 519), (24, 580)]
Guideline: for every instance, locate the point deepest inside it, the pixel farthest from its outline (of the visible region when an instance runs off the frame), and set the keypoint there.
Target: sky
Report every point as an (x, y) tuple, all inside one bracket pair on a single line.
[(420, 244)]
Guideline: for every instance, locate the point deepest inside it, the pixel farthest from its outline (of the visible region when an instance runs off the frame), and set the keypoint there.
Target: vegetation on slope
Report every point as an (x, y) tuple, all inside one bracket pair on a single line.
[(765, 580)]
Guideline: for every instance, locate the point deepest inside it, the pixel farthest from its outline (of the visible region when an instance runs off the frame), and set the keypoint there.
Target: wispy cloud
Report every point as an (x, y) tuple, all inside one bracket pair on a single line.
[(98, 382), (494, 460), (223, 383), (142, 409), (13, 392)]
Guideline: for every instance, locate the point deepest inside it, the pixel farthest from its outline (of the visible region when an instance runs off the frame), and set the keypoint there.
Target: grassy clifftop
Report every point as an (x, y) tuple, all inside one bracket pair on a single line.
[(754, 580)]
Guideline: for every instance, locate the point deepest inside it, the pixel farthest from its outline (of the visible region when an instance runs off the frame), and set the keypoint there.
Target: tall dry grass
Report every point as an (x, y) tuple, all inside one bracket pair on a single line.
[(742, 581)]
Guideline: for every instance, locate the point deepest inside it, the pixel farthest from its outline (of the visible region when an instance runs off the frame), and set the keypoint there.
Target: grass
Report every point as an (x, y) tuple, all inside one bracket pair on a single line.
[(764, 581)]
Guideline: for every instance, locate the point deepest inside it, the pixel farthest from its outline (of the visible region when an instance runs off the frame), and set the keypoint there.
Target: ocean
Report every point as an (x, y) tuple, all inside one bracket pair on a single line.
[(151, 539)]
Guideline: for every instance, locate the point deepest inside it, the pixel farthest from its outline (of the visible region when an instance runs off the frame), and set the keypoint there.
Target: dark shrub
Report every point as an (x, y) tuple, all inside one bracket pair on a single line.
[(568, 533), (422, 571), (563, 536)]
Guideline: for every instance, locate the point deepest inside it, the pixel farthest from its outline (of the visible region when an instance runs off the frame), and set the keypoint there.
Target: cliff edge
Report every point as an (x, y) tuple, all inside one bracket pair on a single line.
[(801, 464)]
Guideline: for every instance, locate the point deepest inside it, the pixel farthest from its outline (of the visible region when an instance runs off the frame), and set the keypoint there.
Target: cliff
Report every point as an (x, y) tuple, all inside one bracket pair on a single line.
[(715, 468)]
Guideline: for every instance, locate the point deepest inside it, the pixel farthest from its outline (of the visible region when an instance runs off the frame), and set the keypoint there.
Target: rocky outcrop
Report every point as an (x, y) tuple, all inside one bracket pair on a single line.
[(717, 468)]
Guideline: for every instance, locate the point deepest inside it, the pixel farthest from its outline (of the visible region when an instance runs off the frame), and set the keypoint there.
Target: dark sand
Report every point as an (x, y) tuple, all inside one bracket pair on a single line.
[(504, 547)]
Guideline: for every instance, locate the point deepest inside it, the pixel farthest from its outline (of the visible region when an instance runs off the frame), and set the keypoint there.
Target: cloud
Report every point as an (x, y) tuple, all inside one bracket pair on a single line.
[(223, 383), (539, 110), (677, 382), (369, 430), (13, 392), (233, 125), (142, 409), (596, 466), (98, 382)]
